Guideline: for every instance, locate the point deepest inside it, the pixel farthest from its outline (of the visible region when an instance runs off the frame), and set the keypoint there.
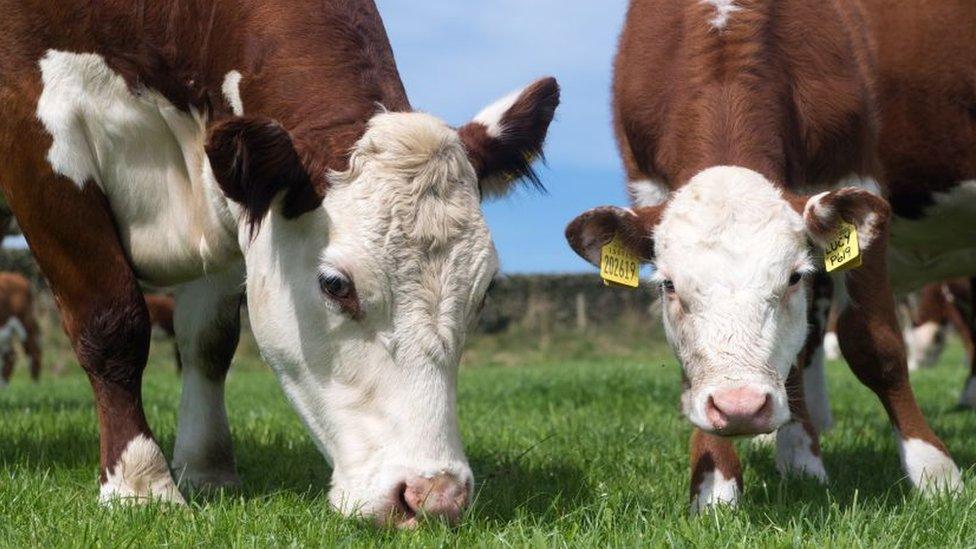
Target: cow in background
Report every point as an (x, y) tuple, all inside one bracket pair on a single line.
[(161, 309), (18, 324)]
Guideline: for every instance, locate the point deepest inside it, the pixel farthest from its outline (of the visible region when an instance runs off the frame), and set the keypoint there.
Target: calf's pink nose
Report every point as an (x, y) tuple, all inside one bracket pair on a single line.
[(740, 410), (441, 496)]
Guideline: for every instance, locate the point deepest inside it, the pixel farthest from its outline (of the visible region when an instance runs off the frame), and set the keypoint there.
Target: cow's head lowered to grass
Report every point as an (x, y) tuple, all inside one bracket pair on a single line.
[(731, 252), (361, 300)]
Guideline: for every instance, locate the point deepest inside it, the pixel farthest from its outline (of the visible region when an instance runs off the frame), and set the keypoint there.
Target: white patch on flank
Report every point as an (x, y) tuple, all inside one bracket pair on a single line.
[(831, 346), (404, 224), (148, 158), (140, 474), (794, 454), (940, 245), (13, 329), (715, 490), (491, 116), (231, 89), (928, 468), (968, 397), (729, 241), (724, 10), (647, 192)]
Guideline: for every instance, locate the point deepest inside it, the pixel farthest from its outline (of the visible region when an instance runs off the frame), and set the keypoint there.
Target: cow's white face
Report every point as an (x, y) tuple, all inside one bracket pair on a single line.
[(361, 303), (731, 252)]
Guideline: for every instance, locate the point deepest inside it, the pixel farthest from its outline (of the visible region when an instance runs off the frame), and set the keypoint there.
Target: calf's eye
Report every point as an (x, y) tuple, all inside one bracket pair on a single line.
[(335, 286), (668, 286), (795, 279)]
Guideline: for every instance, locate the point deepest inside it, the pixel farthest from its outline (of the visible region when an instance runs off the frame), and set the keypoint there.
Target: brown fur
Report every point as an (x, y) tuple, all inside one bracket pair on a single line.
[(17, 301)]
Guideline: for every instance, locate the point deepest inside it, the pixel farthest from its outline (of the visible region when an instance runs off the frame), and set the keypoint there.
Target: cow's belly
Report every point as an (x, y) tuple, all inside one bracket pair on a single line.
[(938, 246), (148, 158)]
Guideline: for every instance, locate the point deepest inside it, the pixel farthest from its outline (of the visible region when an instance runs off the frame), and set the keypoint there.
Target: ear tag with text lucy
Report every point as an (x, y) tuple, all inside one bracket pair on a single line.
[(618, 265), (843, 251)]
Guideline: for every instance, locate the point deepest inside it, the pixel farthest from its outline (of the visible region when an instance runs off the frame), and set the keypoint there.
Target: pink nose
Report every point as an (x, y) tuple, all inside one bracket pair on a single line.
[(441, 496), (740, 410)]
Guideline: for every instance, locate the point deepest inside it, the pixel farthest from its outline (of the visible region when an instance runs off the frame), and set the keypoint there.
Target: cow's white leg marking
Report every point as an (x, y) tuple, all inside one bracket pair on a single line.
[(831, 346), (647, 192), (929, 469), (794, 452), (968, 397), (815, 392), (715, 490), (207, 322), (231, 89), (140, 474)]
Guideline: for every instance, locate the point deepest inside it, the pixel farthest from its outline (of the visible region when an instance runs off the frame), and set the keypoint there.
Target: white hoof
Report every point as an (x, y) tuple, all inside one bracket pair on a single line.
[(140, 475), (795, 453), (715, 490), (928, 468)]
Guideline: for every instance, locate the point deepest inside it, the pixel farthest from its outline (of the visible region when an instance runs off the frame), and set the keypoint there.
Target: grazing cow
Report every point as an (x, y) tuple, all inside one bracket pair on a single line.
[(935, 309), (750, 130), (161, 312), (17, 322), (184, 143)]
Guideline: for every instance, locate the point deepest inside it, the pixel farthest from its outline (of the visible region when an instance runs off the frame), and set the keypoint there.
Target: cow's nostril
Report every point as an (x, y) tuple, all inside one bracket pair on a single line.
[(740, 410), (441, 496)]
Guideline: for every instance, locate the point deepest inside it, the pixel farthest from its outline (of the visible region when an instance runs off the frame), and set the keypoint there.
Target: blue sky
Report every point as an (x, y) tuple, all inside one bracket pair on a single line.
[(457, 56)]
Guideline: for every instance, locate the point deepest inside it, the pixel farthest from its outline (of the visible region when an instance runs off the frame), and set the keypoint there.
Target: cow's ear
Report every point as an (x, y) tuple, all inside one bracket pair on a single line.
[(823, 214), (588, 233), (507, 136), (253, 159)]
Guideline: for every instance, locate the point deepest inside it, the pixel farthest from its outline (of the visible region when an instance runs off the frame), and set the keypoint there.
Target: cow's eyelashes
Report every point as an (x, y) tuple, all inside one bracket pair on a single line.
[(335, 286), (795, 278)]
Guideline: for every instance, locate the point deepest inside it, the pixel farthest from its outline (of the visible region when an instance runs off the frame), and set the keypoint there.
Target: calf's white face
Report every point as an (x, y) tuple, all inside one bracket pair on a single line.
[(361, 306), (731, 252)]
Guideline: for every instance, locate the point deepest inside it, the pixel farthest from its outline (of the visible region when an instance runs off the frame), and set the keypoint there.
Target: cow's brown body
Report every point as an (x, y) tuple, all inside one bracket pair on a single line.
[(812, 96), (17, 306)]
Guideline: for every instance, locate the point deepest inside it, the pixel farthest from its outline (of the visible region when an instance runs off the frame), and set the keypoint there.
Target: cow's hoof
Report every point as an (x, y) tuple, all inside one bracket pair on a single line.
[(968, 397), (140, 476), (796, 453), (929, 469), (209, 480), (714, 491)]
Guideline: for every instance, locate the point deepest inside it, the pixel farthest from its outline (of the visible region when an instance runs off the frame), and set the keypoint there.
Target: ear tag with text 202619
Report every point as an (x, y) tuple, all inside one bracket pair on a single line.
[(843, 251), (618, 265)]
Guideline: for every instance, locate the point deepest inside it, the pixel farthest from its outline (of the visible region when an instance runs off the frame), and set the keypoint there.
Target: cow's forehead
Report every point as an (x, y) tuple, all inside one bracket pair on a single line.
[(729, 224)]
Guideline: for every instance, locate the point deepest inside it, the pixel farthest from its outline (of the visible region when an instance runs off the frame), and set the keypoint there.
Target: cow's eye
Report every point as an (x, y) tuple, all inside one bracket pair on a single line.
[(335, 286), (795, 278), (668, 286), (484, 299)]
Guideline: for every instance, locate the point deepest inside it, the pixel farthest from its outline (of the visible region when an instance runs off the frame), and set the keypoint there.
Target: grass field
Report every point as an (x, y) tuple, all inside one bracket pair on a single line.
[(582, 451)]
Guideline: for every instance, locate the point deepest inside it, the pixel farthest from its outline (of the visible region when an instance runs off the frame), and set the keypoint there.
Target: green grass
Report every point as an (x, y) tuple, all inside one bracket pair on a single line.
[(582, 452)]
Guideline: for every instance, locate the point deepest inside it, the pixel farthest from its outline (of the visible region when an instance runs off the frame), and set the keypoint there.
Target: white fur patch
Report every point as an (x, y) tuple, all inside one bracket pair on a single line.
[(928, 468), (140, 474), (10, 331), (647, 192), (968, 397), (491, 116), (815, 392), (724, 10), (924, 345), (794, 454), (831, 346), (231, 89), (715, 490), (148, 158), (729, 242)]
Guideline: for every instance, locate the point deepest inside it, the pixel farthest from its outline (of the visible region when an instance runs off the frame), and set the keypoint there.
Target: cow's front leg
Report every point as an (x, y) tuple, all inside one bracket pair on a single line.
[(872, 343), (968, 397), (797, 442), (716, 474), (207, 322)]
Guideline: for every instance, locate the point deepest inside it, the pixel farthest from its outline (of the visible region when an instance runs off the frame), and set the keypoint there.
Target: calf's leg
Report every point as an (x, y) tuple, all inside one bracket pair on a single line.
[(207, 322), (716, 474), (797, 442)]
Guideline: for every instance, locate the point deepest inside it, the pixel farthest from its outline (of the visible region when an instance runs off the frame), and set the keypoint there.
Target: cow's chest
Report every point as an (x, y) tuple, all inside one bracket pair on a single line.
[(146, 155), (940, 245)]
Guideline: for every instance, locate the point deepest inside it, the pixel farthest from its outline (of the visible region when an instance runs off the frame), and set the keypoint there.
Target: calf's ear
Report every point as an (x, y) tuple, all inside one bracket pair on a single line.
[(507, 136), (588, 233), (823, 213), (253, 159)]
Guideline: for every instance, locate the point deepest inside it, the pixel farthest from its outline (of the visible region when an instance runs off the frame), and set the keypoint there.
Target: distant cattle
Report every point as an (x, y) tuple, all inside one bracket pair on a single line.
[(18, 324), (759, 135), (184, 143)]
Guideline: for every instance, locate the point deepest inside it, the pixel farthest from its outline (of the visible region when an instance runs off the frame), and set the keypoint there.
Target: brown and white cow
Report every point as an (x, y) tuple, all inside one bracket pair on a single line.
[(199, 144), (932, 312), (749, 130), (17, 322)]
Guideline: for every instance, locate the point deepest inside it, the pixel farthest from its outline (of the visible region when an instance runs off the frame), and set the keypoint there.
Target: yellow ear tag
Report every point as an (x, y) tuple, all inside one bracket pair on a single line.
[(842, 250), (618, 265)]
